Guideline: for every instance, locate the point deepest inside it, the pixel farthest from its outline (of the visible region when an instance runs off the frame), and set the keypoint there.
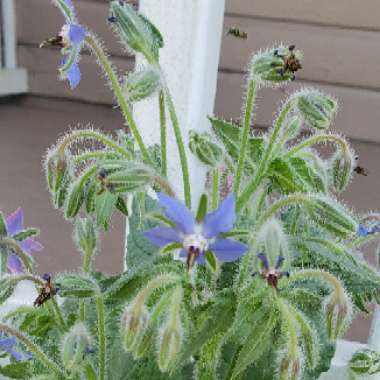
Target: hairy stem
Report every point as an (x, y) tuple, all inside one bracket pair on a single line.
[(164, 163), (248, 115), (35, 349), (106, 66), (181, 148), (86, 269), (265, 159), (101, 337)]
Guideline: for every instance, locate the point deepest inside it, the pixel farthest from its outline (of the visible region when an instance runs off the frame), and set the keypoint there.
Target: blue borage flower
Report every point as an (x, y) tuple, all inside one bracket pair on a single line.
[(70, 39), (194, 238), (364, 231), (15, 224), (7, 345), (272, 275)]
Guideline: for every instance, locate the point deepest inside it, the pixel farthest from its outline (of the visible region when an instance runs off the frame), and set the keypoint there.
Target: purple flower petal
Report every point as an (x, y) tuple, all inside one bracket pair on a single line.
[(264, 261), (178, 213), (362, 230), (30, 245), (183, 253), (162, 236), (7, 344), (279, 261), (74, 76), (228, 250), (77, 33), (69, 3), (14, 264), (201, 259), (222, 219), (15, 222)]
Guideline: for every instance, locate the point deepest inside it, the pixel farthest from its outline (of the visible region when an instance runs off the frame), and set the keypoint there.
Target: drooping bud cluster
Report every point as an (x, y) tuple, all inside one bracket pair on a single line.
[(342, 166), (204, 147), (291, 368)]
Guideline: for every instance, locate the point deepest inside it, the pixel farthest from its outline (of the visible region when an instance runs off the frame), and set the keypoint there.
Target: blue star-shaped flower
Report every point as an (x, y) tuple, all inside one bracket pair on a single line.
[(197, 238), (15, 224), (7, 345)]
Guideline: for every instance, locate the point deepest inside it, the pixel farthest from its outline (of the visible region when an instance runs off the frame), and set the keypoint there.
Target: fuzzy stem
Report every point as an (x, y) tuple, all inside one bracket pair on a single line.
[(164, 163), (13, 244), (174, 310), (181, 148), (101, 337), (35, 349), (215, 188), (323, 137), (248, 115), (106, 65), (94, 155), (3, 261), (265, 159), (86, 269)]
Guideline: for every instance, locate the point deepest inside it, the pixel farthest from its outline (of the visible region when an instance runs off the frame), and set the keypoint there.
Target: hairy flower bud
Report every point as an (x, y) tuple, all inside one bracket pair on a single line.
[(56, 170), (204, 147), (342, 166), (85, 235), (315, 107), (74, 345), (142, 84), (275, 66), (338, 312), (134, 323), (136, 31), (290, 368), (169, 345)]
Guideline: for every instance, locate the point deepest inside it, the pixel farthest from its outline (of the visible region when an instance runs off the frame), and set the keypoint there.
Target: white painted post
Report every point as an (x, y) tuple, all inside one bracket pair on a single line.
[(9, 33), (192, 35)]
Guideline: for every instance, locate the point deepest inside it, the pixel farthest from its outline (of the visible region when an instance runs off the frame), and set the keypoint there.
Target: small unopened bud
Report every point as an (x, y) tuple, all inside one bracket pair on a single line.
[(291, 368), (85, 235), (276, 66), (315, 107), (74, 346), (142, 84), (145, 343), (169, 346), (338, 311), (133, 326), (204, 147), (342, 166)]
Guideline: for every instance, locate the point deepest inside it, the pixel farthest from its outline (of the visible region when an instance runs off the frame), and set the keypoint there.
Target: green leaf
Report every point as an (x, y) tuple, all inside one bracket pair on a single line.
[(122, 206), (77, 286), (17, 370), (169, 248), (25, 234), (3, 226), (212, 261), (258, 340), (75, 200), (202, 208), (104, 207)]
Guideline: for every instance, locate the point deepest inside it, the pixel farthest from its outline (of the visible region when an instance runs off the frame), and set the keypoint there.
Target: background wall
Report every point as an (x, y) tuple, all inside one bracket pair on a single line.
[(340, 40)]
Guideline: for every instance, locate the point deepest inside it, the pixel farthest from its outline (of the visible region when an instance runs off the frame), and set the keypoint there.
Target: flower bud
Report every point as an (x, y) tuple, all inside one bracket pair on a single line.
[(290, 368), (144, 345), (275, 66), (169, 345), (74, 345), (134, 324), (365, 361), (338, 312), (85, 235), (56, 170), (142, 84), (204, 147), (315, 107), (136, 31), (342, 166)]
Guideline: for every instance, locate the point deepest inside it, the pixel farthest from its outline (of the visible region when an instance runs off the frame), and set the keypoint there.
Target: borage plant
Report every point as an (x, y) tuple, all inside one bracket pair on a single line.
[(258, 282)]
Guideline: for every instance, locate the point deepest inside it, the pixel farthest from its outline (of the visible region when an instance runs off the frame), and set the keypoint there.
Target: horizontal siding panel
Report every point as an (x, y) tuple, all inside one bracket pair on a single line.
[(351, 13), (43, 76), (331, 55), (358, 116), (33, 26)]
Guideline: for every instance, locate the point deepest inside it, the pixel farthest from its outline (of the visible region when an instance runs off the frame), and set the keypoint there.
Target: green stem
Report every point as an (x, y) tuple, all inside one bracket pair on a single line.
[(289, 328), (3, 260), (215, 188), (86, 269), (106, 65), (265, 160), (58, 313), (82, 133), (94, 155), (101, 337), (248, 115), (164, 164), (35, 349), (323, 137), (181, 148), (13, 244)]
